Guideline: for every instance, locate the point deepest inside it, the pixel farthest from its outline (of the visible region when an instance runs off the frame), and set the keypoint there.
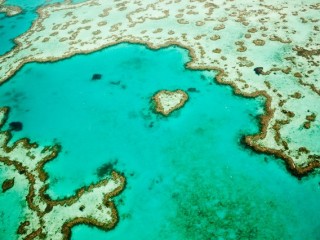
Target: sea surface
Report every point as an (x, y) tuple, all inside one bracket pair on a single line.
[(12, 27), (188, 175)]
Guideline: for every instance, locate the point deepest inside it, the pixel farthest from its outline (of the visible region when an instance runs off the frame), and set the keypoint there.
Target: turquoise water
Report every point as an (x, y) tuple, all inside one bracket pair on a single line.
[(12, 27), (188, 176)]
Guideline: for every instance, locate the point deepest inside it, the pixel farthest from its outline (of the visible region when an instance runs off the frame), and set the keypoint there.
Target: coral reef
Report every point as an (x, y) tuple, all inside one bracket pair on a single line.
[(168, 101), (9, 10), (281, 37), (52, 219)]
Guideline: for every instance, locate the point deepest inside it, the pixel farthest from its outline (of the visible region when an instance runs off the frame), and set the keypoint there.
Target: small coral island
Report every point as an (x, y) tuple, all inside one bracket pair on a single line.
[(45, 218), (168, 101), (9, 10)]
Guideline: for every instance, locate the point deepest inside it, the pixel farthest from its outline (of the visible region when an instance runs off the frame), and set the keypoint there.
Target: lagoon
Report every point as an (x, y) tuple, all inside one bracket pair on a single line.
[(188, 175)]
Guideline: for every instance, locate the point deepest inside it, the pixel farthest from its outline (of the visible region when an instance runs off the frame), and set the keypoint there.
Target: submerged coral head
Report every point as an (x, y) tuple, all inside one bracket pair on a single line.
[(16, 126), (258, 70), (96, 76)]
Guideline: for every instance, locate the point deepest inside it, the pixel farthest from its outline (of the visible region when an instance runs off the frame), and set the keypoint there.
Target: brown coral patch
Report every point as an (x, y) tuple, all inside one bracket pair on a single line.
[(306, 53), (7, 184)]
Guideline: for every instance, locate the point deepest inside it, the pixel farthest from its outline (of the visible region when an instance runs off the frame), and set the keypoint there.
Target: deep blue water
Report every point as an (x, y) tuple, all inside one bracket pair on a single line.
[(188, 176)]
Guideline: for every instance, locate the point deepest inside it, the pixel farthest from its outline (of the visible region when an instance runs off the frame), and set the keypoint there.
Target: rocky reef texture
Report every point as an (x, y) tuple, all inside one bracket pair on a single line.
[(168, 101), (9, 10), (52, 219), (268, 48)]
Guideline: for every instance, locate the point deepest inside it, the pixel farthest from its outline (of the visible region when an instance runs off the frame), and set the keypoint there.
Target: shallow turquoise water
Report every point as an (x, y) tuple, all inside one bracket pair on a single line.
[(12, 27), (188, 177)]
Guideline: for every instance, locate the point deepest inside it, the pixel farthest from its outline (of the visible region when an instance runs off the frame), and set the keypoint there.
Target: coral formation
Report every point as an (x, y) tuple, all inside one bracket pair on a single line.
[(168, 101), (52, 219), (281, 37), (9, 10)]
